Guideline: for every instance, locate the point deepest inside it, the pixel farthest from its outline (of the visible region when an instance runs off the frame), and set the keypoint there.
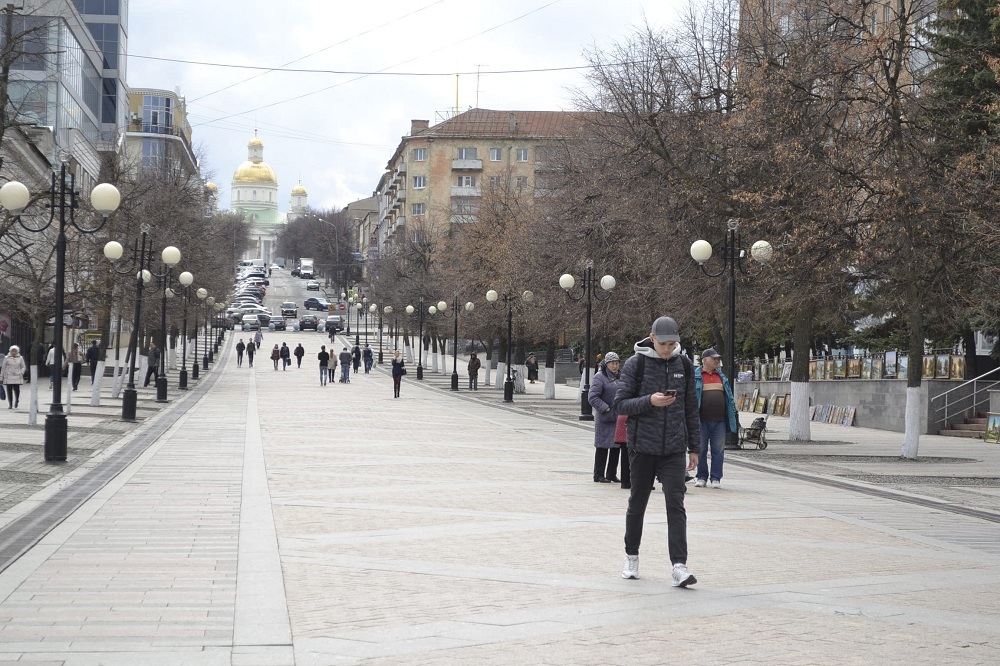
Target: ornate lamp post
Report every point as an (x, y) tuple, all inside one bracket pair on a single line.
[(206, 355), (373, 309), (164, 283), (186, 279), (202, 294), (358, 307), (442, 307), (508, 298), (141, 258), (387, 310), (420, 340), (733, 257), (567, 282), (104, 198)]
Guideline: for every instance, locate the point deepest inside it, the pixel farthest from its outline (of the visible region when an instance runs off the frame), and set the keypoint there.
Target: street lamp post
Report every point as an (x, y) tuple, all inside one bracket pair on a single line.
[(104, 198), (161, 375), (567, 282), (387, 310), (364, 307), (443, 308), (185, 278), (373, 309), (420, 335), (206, 355), (358, 307), (141, 256), (733, 257), (508, 298), (202, 294)]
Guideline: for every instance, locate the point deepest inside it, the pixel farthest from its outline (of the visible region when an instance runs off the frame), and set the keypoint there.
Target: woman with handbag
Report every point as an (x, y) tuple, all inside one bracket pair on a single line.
[(601, 398), (12, 375), (398, 370)]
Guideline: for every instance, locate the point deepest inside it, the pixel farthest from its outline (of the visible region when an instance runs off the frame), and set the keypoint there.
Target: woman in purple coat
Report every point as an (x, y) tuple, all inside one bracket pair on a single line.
[(601, 398)]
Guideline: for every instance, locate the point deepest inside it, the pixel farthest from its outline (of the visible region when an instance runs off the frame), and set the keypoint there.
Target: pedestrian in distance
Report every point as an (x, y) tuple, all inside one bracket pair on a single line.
[(717, 411), (93, 356), (368, 357), (324, 364), (286, 356), (531, 363), (258, 338), (345, 366), (240, 348), (12, 375), (299, 353), (50, 361), (398, 370), (275, 356), (75, 364), (356, 358), (251, 350), (152, 363), (601, 398), (474, 365), (657, 393)]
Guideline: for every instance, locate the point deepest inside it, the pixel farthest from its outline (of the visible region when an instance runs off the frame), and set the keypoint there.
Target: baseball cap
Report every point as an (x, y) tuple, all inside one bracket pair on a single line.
[(665, 330), (710, 353)]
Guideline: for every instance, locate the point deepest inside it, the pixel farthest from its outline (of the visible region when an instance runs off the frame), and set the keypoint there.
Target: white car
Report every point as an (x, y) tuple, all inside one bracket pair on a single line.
[(312, 285)]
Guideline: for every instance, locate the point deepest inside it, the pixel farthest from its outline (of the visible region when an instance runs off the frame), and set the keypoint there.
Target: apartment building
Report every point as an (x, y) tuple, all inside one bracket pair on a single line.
[(438, 174), (158, 135)]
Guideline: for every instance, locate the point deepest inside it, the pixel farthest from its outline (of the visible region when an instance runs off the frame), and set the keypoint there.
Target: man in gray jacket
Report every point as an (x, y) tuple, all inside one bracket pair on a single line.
[(657, 392)]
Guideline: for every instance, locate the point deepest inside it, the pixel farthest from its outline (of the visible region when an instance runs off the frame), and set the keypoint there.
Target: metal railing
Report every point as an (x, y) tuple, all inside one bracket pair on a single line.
[(962, 401)]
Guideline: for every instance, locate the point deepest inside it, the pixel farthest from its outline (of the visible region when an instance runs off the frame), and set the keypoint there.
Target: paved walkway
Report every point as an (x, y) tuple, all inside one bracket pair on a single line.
[(276, 522)]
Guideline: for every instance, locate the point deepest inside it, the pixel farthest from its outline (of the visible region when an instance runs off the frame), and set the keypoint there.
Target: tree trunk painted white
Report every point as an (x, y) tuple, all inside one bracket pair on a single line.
[(522, 372), (798, 423), (408, 354), (487, 366), (68, 389), (911, 423), (143, 364), (550, 383), (95, 389), (119, 375), (501, 375), (33, 401)]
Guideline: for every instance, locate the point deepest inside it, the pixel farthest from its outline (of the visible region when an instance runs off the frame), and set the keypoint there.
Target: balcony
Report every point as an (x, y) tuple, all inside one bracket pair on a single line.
[(466, 165), (457, 191)]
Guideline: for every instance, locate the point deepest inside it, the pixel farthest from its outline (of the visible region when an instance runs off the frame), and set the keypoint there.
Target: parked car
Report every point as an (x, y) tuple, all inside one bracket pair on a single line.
[(295, 272), (251, 323), (279, 323), (289, 309), (334, 323), (264, 319), (312, 285), (308, 321), (315, 303)]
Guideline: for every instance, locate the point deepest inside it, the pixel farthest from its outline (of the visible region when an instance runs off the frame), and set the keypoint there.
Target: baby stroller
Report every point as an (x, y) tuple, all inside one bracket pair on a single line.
[(753, 437)]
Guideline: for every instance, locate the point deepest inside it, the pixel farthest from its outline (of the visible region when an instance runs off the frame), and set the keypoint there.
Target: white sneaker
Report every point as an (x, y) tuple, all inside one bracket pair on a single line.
[(700, 483), (631, 567), (682, 577), (716, 484)]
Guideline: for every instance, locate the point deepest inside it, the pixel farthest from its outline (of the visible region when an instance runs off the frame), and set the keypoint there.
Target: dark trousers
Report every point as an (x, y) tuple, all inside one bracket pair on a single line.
[(605, 459), (93, 370), (151, 372), (396, 379), (74, 374), (626, 468), (239, 358), (13, 395), (670, 470)]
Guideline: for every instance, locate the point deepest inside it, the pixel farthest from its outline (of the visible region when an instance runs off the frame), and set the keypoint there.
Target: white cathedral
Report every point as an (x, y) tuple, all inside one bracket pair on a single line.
[(254, 193)]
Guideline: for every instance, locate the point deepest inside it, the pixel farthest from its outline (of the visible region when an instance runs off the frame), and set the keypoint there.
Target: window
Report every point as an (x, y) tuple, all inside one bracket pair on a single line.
[(466, 181), (522, 154), (521, 182), (495, 181), (464, 206), (466, 153), (496, 154), (419, 182), (419, 154), (418, 209)]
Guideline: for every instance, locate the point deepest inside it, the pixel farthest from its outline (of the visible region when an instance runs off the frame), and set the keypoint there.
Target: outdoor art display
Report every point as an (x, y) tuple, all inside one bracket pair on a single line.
[(992, 429)]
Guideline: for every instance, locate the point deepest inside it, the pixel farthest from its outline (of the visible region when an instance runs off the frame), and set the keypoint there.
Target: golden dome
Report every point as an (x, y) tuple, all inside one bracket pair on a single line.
[(298, 189), (255, 172), (254, 142), (211, 186)]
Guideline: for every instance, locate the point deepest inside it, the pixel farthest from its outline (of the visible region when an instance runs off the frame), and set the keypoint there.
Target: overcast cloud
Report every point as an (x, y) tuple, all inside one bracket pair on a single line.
[(335, 131)]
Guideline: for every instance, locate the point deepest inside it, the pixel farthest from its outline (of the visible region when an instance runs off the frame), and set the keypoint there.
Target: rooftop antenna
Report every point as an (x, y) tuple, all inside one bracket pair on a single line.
[(456, 94), (478, 68)]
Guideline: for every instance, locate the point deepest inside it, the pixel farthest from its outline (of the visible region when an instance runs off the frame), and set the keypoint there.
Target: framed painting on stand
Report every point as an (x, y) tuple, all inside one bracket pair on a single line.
[(903, 367), (890, 364)]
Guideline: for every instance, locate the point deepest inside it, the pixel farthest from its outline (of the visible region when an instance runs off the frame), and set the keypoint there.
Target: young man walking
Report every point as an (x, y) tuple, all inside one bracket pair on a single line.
[(657, 392)]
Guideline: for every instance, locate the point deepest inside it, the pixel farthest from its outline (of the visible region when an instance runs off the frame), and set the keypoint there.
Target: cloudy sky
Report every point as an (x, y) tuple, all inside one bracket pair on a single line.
[(364, 71)]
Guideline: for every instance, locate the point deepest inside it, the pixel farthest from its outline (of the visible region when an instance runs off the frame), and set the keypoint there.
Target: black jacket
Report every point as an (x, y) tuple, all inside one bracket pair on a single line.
[(659, 430)]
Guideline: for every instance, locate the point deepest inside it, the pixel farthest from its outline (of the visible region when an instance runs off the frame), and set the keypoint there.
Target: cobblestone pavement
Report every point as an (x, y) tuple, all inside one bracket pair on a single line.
[(279, 522)]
